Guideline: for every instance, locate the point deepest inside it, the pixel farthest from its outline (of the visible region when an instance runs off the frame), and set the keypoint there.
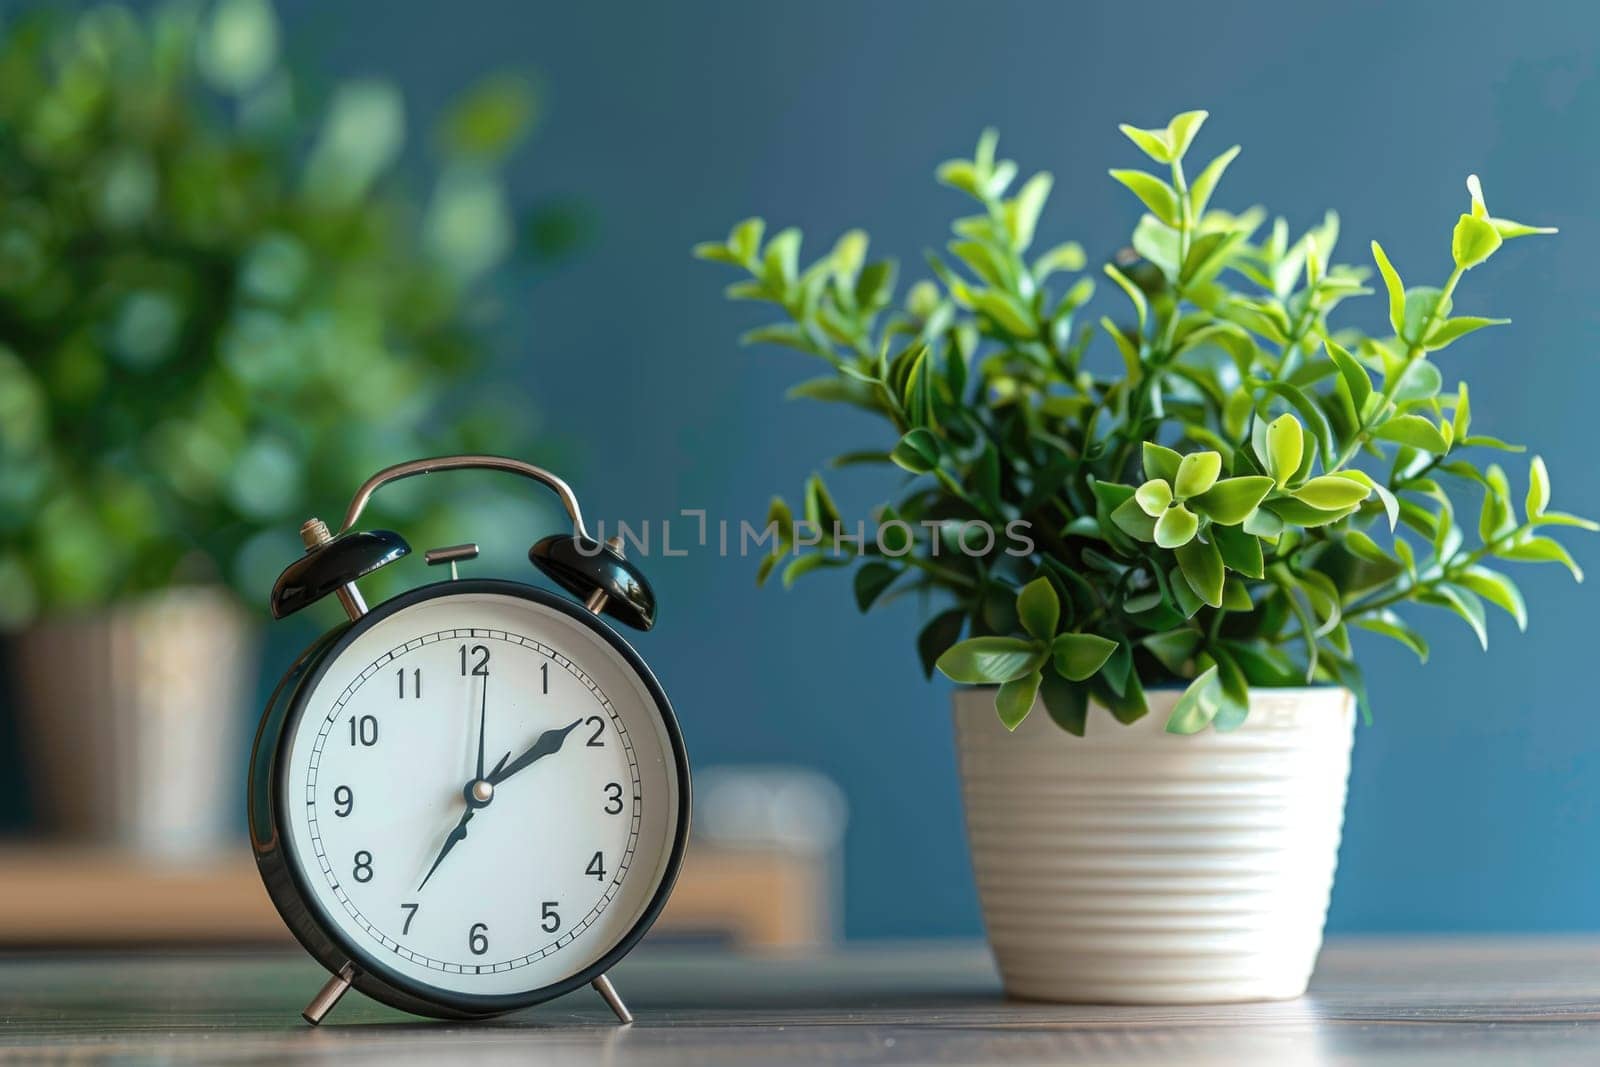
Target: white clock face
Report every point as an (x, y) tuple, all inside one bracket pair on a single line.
[(481, 794)]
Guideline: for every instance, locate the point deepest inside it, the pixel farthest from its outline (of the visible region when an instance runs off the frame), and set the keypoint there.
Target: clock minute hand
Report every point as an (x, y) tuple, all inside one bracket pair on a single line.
[(483, 722), (549, 742)]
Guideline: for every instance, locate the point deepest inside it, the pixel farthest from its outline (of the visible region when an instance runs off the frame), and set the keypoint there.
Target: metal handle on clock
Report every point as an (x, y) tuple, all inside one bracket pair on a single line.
[(569, 499)]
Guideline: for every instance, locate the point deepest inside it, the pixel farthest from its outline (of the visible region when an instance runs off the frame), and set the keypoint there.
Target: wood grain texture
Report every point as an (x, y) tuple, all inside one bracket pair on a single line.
[(1424, 1002)]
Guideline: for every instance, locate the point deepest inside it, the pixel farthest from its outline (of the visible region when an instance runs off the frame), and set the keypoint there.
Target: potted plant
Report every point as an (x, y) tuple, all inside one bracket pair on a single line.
[(1153, 576), (209, 323)]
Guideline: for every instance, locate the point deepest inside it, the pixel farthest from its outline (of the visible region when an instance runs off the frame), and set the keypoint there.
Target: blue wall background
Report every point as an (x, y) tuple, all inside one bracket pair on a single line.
[(1473, 799)]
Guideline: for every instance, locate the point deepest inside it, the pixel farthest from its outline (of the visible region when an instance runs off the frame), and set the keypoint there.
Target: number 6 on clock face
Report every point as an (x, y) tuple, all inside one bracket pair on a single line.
[(479, 796)]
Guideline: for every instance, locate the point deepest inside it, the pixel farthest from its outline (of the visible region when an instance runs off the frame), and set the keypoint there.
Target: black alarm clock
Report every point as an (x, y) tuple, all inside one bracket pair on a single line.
[(474, 796)]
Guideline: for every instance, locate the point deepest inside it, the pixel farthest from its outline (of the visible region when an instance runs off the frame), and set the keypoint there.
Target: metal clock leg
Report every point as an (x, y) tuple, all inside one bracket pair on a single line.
[(328, 996), (608, 993)]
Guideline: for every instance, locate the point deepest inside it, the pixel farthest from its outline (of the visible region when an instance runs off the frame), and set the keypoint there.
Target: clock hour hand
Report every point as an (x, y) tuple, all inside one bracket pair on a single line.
[(549, 742), (457, 835)]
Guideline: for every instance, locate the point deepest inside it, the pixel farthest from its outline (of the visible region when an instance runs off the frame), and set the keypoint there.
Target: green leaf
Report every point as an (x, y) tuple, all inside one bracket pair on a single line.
[(872, 580), (1480, 210), (1016, 698), (1561, 518), (1022, 211), (1391, 282), (1183, 596), (1201, 189), (1160, 462), (1391, 625), (1124, 707), (820, 510), (1461, 421), (1414, 430), (1131, 519), (1134, 293), (1355, 376), (1542, 550), (1420, 380), (1454, 329), (1153, 143), (1198, 705), (1241, 551), (1484, 441), (1197, 472), (1391, 505), (1236, 595), (1364, 547), (1039, 608), (1117, 669), (962, 175), (1067, 703), (1498, 590), (236, 50), (1538, 488), (917, 451), (804, 565), (745, 240), (1068, 256), (780, 260), (875, 286), (1156, 194), (942, 631), (1424, 306), (1473, 241), (1316, 421), (1465, 604), (988, 660), (1508, 229), (1181, 131), (1285, 448), (1154, 497), (1202, 567), (1173, 648), (491, 118), (1079, 656), (1006, 310), (1176, 526), (1231, 500), (1331, 492), (1298, 513), (1496, 518), (1234, 692)]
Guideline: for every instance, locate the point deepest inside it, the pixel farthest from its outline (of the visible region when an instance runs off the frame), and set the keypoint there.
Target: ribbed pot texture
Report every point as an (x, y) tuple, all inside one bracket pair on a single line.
[(1134, 866)]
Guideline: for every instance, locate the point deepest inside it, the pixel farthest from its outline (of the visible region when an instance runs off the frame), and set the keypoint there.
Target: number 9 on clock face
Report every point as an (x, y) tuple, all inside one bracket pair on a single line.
[(482, 797)]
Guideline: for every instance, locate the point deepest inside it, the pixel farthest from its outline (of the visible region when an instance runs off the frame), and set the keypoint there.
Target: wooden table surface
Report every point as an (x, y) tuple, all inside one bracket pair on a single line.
[(1456, 1002)]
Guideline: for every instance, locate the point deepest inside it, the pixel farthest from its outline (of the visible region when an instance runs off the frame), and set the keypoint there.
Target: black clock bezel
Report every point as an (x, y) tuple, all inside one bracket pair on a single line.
[(284, 875)]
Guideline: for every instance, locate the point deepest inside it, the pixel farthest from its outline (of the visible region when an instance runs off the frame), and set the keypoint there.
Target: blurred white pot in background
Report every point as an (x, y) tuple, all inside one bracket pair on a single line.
[(130, 720)]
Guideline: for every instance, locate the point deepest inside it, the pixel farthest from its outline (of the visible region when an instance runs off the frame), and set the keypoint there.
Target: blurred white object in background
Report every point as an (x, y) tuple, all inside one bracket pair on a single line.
[(791, 812), (130, 721)]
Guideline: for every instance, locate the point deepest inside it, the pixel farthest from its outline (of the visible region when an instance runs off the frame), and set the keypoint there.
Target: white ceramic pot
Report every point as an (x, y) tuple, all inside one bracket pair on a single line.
[(131, 718), (1134, 866)]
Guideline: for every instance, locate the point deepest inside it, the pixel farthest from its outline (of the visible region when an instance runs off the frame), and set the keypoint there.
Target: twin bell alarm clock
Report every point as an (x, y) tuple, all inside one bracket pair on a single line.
[(473, 796)]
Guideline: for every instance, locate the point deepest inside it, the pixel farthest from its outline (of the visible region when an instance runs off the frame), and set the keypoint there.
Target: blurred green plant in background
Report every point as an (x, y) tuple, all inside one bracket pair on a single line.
[(221, 305)]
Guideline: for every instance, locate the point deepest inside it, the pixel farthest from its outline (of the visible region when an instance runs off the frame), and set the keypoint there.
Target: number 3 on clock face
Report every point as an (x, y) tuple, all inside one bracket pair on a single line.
[(481, 796)]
